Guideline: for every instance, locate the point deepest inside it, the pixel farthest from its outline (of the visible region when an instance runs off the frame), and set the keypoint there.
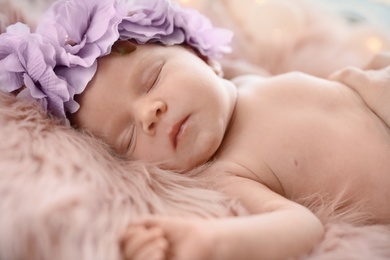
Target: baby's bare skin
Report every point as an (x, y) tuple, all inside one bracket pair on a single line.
[(301, 135), (272, 141), (372, 84)]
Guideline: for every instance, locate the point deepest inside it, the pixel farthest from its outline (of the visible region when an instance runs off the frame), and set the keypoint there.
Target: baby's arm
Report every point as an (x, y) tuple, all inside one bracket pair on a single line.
[(278, 229), (372, 84)]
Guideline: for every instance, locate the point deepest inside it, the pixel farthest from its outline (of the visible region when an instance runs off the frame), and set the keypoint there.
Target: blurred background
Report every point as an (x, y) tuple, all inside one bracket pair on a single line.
[(376, 12), (372, 11), (313, 36)]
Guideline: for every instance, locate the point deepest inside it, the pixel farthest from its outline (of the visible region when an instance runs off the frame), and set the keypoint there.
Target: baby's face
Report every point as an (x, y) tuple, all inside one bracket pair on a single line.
[(158, 104)]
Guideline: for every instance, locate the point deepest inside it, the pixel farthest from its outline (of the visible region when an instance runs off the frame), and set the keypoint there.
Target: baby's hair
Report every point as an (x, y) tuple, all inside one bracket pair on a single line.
[(123, 47)]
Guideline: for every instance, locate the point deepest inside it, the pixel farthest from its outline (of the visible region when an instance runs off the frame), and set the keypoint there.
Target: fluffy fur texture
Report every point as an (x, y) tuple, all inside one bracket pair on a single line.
[(63, 196)]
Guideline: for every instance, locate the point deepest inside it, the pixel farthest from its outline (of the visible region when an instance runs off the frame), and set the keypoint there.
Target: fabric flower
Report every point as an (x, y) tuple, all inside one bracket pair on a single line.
[(151, 21), (86, 29), (27, 64), (200, 33), (167, 23)]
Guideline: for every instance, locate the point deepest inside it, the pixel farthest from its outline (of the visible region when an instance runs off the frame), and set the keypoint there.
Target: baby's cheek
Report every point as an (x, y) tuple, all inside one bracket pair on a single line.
[(204, 147), (149, 153)]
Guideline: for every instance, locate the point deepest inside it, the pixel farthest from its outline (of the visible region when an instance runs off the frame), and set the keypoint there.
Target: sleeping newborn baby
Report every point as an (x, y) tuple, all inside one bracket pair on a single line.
[(142, 78), (271, 141)]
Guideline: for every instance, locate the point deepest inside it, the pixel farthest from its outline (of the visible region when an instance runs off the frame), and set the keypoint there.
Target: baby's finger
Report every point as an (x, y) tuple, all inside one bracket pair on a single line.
[(137, 237), (154, 250), (380, 61), (353, 77), (347, 73), (148, 222)]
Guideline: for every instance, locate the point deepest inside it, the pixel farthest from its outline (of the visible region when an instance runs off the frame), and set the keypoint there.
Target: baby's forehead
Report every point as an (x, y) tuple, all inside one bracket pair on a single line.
[(129, 61)]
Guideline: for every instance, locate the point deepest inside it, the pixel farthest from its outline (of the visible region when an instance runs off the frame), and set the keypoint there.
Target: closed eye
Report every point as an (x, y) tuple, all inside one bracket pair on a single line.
[(154, 78), (132, 141), (129, 138)]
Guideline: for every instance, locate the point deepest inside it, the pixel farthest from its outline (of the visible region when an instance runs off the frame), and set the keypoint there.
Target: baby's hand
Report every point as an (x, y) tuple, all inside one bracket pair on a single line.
[(142, 243), (380, 61), (169, 238), (372, 85)]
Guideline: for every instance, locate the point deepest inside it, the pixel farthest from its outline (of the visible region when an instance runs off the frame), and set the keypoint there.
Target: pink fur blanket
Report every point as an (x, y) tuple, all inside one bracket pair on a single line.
[(63, 196)]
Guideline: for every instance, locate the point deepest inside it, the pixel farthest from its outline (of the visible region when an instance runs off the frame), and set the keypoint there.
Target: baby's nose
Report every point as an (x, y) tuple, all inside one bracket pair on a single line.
[(152, 116)]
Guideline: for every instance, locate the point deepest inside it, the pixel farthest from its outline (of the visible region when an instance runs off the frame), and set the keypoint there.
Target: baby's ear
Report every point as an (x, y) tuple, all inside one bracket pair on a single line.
[(216, 66)]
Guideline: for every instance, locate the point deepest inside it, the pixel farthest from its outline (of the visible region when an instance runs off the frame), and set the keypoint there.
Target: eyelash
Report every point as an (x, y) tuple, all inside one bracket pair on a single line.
[(131, 140), (155, 78)]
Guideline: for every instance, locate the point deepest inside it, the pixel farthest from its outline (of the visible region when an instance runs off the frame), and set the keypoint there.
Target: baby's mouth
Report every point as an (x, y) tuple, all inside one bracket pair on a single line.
[(176, 131)]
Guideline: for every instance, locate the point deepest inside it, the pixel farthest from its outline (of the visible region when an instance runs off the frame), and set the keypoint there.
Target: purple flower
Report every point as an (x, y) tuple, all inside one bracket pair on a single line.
[(82, 31), (167, 23), (85, 29), (151, 21), (200, 33), (27, 64)]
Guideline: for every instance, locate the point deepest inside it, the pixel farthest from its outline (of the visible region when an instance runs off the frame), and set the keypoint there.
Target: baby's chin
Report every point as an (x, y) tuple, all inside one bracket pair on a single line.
[(182, 167), (190, 163), (197, 154)]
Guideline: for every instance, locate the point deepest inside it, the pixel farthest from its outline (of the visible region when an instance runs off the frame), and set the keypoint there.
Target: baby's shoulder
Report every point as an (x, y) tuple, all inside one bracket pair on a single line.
[(286, 81), (247, 80), (288, 87)]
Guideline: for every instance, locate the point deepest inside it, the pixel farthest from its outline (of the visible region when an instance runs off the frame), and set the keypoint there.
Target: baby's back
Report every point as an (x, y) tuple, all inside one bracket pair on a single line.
[(303, 136)]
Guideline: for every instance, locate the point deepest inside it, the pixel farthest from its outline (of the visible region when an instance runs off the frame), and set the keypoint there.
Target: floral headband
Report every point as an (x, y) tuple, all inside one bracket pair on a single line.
[(56, 62)]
